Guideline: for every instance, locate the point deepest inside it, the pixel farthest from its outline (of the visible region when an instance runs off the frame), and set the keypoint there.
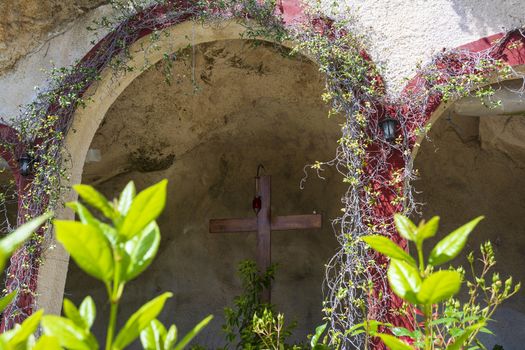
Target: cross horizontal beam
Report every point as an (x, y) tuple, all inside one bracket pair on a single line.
[(279, 223)]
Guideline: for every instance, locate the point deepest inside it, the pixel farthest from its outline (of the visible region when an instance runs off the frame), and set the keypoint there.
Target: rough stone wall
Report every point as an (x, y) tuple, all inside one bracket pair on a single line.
[(476, 166), (36, 36), (25, 25)]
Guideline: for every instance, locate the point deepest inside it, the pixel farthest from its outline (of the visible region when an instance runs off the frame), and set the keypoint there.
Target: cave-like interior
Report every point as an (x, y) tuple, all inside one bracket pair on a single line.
[(474, 164), (229, 107)]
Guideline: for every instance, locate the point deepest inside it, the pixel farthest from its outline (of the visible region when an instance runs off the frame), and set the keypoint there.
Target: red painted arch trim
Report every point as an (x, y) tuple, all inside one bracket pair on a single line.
[(11, 149), (498, 46)]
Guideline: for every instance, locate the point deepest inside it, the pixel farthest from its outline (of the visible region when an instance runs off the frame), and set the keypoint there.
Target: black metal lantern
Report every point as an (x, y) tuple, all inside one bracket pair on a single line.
[(388, 126), (25, 165)]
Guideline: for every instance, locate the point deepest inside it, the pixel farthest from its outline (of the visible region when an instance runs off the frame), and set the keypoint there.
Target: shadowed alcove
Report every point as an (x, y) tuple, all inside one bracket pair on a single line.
[(229, 107), (475, 165)]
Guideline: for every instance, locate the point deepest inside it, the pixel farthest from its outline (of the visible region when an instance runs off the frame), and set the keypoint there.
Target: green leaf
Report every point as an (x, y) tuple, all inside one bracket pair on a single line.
[(356, 329), (405, 227), (450, 246), (449, 320), (88, 247), (145, 208), (13, 240), (72, 313), (171, 338), (126, 198), (87, 218), (196, 330), (27, 328), (110, 233), (142, 250), (124, 260), (404, 280), (83, 213), (140, 320), (47, 342), (385, 246), (402, 332), (393, 343), (88, 311), (321, 347), (459, 342), (96, 200), (318, 333), (373, 325), (153, 336), (428, 230), (4, 301), (439, 286), (68, 333), (486, 330)]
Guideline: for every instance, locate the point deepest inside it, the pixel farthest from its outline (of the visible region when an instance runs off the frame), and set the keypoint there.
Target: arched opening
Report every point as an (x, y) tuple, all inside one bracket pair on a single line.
[(230, 106), (475, 165), (86, 121)]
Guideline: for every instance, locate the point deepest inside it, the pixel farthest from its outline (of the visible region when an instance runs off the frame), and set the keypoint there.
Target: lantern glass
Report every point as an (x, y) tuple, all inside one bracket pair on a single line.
[(389, 129), (24, 164)]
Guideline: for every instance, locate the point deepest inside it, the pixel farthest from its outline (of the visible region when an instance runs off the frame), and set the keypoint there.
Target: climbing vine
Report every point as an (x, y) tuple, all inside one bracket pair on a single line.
[(377, 169), (380, 171)]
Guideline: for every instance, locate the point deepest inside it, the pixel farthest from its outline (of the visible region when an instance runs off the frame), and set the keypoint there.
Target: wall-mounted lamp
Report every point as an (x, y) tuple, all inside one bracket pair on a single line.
[(388, 126), (25, 165)]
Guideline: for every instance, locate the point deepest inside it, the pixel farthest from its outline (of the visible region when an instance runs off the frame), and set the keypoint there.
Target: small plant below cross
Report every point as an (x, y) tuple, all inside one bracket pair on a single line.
[(252, 323)]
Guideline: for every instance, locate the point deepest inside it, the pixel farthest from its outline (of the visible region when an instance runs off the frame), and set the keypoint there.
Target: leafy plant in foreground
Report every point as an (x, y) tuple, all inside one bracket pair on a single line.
[(447, 323), (114, 251)]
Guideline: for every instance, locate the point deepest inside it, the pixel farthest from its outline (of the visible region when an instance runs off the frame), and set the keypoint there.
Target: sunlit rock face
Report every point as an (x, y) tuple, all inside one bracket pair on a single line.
[(230, 107), (476, 166), (26, 24)]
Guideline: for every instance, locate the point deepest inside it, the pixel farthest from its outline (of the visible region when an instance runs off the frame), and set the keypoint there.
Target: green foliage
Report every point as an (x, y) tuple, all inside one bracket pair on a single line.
[(447, 322), (315, 343), (239, 318), (251, 323), (12, 241), (115, 251), (21, 337), (271, 331)]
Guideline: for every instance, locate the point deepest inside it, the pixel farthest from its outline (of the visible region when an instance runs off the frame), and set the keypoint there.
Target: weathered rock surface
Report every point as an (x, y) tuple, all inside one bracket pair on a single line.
[(504, 134), (464, 175), (511, 93), (24, 25)]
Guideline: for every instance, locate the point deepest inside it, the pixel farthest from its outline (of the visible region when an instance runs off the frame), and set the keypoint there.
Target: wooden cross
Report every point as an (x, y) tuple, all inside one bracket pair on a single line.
[(264, 223)]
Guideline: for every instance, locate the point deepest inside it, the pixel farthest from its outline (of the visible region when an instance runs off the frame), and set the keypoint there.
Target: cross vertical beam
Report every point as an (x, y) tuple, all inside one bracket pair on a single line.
[(264, 226)]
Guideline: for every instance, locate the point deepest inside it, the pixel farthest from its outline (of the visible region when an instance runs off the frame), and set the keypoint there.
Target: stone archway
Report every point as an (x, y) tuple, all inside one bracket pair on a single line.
[(103, 93), (248, 105)]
